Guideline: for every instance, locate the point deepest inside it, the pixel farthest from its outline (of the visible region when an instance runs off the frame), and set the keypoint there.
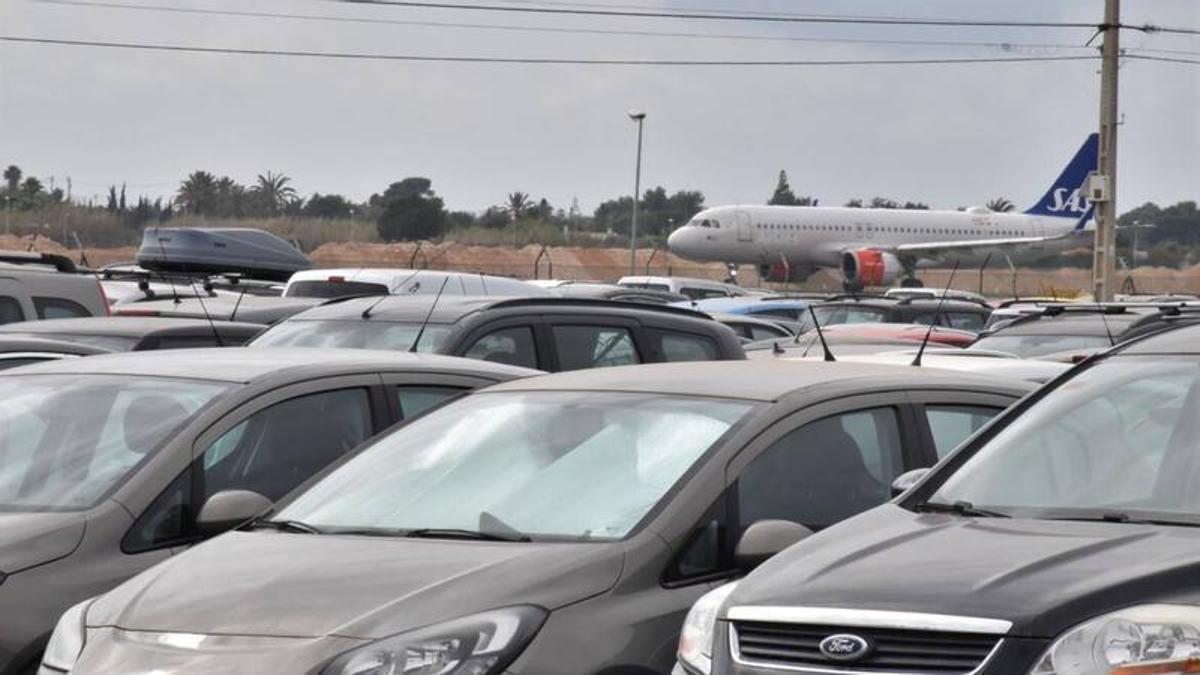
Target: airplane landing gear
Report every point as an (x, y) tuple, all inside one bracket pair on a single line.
[(911, 282)]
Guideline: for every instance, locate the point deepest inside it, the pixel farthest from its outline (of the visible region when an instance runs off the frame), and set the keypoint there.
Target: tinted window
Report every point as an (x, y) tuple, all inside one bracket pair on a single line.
[(10, 310), (5, 364), (793, 314), (190, 341), (59, 308), (952, 424), (964, 321), (514, 346), (582, 347), (413, 401), (825, 471), (764, 333), (168, 520), (331, 289), (702, 293), (684, 347), (277, 448)]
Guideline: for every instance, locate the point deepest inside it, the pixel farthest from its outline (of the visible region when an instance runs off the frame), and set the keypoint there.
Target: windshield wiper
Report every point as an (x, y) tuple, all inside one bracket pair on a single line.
[(453, 533), (1121, 517), (960, 507), (288, 526)]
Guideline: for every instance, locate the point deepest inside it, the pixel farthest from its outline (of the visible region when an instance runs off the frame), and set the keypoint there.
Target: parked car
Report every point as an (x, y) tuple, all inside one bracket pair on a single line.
[(696, 289), (1062, 539), (338, 283), (613, 292), (978, 362), (860, 338), (754, 329), (21, 351), (46, 286), (552, 334), (948, 313), (563, 524), (106, 461), (223, 307), (135, 334), (762, 306), (1062, 331), (935, 293)]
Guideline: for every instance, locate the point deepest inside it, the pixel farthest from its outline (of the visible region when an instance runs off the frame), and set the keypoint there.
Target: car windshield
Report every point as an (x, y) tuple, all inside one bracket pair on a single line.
[(357, 334), (572, 465), (66, 440), (1032, 346), (1119, 438)]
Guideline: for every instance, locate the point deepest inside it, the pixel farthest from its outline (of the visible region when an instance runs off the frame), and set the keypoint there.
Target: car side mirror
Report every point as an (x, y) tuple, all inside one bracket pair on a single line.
[(906, 480), (228, 509), (764, 539)]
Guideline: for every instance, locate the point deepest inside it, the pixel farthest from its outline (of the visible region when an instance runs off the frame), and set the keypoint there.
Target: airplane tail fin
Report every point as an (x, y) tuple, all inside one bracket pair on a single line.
[(1065, 197)]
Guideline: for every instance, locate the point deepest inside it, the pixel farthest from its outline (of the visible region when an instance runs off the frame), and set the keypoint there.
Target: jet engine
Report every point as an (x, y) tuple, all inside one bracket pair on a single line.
[(867, 268)]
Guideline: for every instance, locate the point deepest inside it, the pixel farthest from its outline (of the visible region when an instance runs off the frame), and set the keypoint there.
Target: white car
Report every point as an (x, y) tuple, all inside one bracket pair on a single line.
[(336, 283)]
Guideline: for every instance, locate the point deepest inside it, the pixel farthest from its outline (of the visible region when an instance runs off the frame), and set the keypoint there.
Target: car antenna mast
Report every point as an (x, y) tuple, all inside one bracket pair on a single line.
[(366, 313), (192, 281), (936, 313), (821, 335), (429, 315)]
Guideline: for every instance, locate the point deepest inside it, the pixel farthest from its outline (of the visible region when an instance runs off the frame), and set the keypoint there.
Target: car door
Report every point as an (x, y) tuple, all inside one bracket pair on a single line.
[(411, 394), (270, 445), (513, 341), (579, 342)]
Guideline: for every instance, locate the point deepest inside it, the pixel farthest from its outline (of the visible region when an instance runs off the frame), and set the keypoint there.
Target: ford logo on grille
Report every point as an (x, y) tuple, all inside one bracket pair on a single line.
[(845, 647)]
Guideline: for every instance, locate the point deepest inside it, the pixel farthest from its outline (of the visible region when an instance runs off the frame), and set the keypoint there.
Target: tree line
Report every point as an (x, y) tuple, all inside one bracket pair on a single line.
[(410, 209)]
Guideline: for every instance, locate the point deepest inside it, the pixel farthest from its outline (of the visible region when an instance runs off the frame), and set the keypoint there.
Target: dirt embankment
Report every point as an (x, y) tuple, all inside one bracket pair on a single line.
[(608, 264)]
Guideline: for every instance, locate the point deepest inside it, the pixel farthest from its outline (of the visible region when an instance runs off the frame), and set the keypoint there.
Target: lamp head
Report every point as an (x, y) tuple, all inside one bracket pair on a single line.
[(636, 115)]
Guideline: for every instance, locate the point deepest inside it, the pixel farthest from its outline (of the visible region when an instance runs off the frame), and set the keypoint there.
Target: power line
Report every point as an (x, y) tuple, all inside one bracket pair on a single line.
[(1163, 59), (555, 29), (535, 60), (774, 18)]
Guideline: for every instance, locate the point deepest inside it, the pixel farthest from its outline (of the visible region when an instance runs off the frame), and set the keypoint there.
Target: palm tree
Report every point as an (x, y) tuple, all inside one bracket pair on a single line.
[(1000, 205), (12, 176), (198, 193), (274, 191), (518, 204)]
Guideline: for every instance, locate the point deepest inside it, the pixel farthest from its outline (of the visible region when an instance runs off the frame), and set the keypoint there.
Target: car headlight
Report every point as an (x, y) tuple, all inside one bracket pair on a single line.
[(66, 642), (700, 629), (481, 644), (1143, 640)]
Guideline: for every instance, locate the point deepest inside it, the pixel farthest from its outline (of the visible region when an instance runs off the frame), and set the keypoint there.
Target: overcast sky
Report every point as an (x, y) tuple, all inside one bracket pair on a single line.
[(948, 135)]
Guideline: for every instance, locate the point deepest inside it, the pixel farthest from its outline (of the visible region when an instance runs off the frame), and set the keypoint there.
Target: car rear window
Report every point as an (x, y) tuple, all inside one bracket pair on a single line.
[(10, 310), (333, 289), (687, 347), (59, 308)]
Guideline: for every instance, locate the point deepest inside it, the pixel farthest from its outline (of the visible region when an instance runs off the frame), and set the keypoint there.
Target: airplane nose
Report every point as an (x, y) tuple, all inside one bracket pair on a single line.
[(676, 241)]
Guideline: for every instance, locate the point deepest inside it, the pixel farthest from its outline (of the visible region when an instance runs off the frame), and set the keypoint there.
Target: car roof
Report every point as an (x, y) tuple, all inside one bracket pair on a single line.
[(1067, 324), (21, 343), (756, 380), (750, 302), (121, 326), (247, 364), (945, 304), (450, 309), (1182, 340)]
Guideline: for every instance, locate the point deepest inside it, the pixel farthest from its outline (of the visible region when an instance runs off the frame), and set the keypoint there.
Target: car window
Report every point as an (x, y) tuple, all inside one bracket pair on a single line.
[(824, 471), (702, 293), (277, 448), (414, 400), (17, 362), (952, 424), (191, 341), (764, 333), (59, 308), (10, 310), (167, 521), (863, 315), (514, 346), (582, 347), (684, 347), (964, 321), (791, 314)]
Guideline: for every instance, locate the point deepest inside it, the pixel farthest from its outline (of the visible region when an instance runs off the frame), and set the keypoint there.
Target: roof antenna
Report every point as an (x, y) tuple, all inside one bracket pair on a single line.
[(366, 313), (432, 306), (191, 280), (983, 267), (821, 335), (483, 282), (233, 314), (1104, 319), (936, 313)]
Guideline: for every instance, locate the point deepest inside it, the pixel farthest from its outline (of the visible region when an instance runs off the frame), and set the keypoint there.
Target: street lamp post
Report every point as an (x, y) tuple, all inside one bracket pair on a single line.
[(639, 117)]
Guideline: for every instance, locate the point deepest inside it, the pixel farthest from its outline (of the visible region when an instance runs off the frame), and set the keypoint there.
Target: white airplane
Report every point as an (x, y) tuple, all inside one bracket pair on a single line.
[(875, 247)]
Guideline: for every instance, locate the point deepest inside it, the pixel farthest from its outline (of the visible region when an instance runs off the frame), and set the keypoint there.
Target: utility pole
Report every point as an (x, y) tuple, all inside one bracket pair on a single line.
[(1103, 262), (640, 118)]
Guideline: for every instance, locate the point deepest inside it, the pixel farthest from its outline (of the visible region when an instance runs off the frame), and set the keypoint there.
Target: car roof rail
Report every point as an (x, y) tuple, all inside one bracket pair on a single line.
[(599, 302), (59, 262)]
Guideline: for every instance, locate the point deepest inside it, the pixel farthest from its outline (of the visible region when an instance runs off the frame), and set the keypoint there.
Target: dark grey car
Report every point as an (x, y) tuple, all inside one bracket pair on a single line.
[(560, 524), (105, 461)]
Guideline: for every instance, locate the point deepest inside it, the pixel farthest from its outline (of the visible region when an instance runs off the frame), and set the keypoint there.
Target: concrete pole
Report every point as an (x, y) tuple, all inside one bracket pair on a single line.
[(1103, 265), (640, 118)]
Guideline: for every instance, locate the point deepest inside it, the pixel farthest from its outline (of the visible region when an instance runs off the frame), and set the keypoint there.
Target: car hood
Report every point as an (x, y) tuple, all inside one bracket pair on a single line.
[(30, 539), (1044, 576), (303, 585)]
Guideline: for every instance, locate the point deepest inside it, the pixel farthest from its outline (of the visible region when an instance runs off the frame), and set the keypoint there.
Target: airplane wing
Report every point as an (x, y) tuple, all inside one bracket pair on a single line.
[(935, 248)]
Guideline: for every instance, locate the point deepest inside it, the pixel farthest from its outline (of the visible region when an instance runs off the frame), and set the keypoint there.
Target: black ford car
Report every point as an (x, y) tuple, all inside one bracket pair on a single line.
[(1062, 539)]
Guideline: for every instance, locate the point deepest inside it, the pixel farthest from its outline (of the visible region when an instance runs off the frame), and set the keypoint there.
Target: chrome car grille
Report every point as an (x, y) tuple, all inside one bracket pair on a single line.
[(797, 647)]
